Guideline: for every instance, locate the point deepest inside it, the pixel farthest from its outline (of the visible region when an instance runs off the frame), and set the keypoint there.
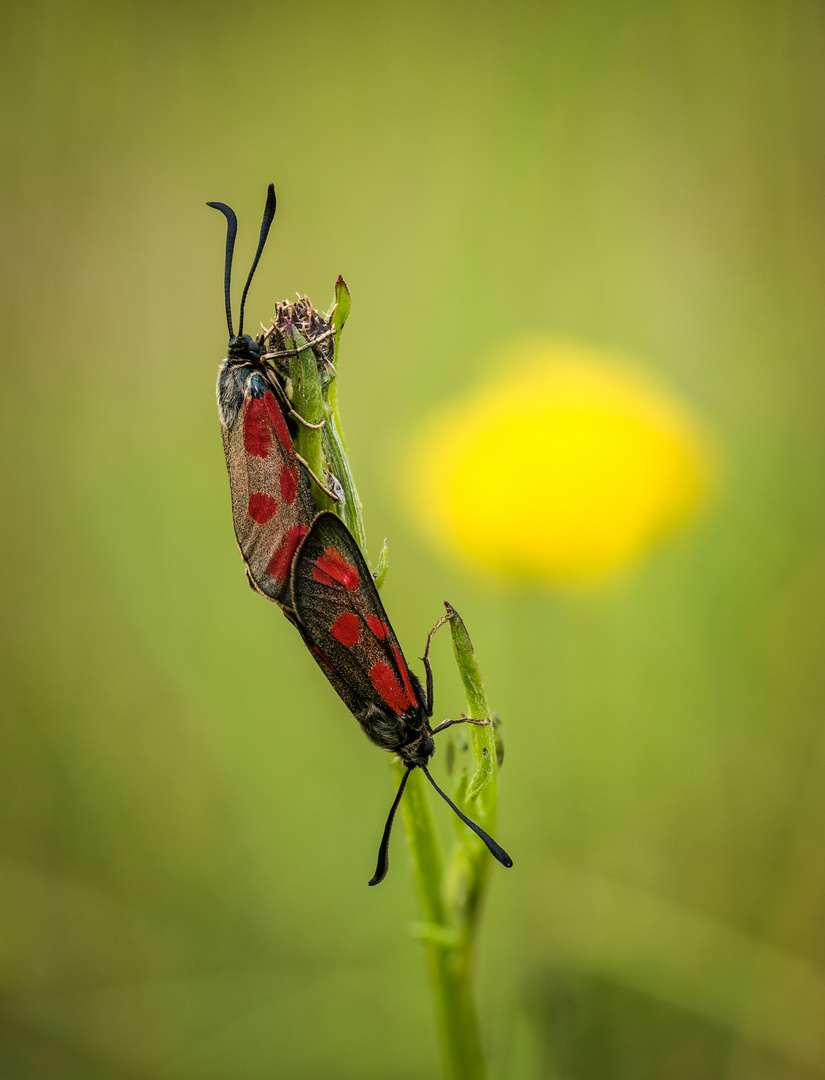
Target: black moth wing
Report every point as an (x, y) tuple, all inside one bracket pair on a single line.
[(272, 505), (343, 623)]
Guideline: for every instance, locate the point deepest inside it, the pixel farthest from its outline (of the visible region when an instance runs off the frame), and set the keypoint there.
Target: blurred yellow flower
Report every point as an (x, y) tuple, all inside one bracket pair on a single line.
[(565, 466)]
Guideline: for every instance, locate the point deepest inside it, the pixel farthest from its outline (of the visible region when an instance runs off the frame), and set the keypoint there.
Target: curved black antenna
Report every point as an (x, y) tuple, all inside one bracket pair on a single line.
[(231, 232), (384, 850), (269, 214), (496, 851)]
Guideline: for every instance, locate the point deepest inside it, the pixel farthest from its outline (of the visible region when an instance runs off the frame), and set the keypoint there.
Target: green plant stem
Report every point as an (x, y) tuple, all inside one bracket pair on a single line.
[(451, 902), (323, 447), (448, 958), (308, 401), (450, 898)]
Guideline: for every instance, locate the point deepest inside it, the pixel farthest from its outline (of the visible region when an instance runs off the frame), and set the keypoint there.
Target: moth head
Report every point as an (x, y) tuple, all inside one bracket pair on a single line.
[(419, 752), (243, 347)]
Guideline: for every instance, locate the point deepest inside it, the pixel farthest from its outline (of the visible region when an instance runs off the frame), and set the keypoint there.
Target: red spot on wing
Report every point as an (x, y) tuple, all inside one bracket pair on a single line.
[(281, 562), (346, 628), (405, 675), (261, 507), (332, 568), (257, 435), (289, 483), (378, 627), (383, 679), (278, 422)]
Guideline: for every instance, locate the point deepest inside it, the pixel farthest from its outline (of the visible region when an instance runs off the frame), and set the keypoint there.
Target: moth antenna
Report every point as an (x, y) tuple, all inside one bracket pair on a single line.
[(384, 850), (269, 214), (231, 232), (494, 849)]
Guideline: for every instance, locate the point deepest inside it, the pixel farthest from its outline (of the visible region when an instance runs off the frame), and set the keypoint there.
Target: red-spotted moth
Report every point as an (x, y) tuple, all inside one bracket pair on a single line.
[(311, 565), (272, 506), (339, 615)]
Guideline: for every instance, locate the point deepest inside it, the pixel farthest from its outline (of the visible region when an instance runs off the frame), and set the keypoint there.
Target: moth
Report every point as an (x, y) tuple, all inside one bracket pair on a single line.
[(310, 564), (272, 504), (338, 613)]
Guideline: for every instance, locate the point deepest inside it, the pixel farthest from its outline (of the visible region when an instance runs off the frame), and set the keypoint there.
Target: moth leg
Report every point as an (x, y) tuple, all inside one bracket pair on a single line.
[(293, 352), (282, 354), (279, 391), (425, 659), (320, 483), (464, 720), (306, 423)]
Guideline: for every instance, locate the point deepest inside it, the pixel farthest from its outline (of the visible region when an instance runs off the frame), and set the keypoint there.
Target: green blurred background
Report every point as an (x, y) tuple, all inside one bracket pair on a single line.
[(188, 815)]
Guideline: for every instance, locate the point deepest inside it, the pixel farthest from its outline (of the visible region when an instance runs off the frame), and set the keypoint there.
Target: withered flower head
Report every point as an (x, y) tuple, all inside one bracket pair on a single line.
[(312, 325)]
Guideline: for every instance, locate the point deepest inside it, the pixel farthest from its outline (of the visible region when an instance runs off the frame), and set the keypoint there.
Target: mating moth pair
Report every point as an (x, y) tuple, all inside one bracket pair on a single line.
[(308, 562)]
